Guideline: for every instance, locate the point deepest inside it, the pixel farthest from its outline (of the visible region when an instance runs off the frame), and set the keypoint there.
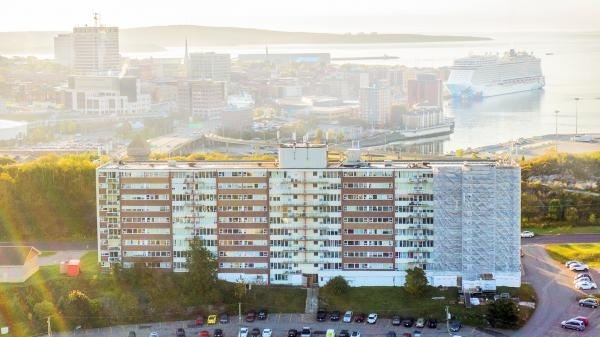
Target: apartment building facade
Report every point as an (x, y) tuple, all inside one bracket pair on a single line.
[(302, 220)]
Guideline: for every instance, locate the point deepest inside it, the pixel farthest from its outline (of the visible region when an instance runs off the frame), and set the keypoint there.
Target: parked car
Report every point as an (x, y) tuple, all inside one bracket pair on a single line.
[(218, 333), (180, 332), (432, 323), (344, 333), (585, 285), (589, 302), (359, 317), (292, 333), (390, 334), (255, 332), (420, 323), (582, 279), (347, 317), (243, 332), (580, 275), (578, 267), (408, 322), (267, 332), (305, 332), (573, 324), (527, 234), (334, 315), (199, 320), (455, 326), (224, 318), (584, 319), (355, 334), (321, 315), (262, 314), (154, 334), (570, 262), (212, 319), (372, 318), (396, 320), (203, 333), (417, 333), (131, 334), (251, 316)]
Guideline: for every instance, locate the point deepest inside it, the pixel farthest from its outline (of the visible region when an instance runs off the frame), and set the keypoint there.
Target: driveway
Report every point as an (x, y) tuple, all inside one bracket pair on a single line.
[(61, 255)]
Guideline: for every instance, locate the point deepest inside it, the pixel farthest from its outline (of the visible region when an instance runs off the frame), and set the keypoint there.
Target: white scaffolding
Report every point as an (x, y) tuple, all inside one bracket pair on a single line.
[(476, 219)]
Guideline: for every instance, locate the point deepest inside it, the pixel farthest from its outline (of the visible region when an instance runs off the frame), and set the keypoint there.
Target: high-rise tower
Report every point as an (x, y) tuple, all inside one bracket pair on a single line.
[(96, 49)]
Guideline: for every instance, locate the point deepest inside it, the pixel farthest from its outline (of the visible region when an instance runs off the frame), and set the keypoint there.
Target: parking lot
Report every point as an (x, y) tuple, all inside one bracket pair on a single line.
[(280, 323)]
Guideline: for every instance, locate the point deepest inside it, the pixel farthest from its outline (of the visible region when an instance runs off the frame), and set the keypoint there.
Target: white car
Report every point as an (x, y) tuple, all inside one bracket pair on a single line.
[(372, 318), (527, 234), (153, 334), (243, 332), (267, 332), (582, 279), (585, 285), (347, 317), (578, 267), (570, 262)]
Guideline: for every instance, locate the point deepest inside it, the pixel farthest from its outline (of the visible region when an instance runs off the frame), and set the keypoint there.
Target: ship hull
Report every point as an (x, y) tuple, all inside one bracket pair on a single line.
[(466, 90)]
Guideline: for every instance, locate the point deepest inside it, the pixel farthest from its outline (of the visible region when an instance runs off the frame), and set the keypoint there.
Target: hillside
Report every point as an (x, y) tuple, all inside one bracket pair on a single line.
[(156, 38)]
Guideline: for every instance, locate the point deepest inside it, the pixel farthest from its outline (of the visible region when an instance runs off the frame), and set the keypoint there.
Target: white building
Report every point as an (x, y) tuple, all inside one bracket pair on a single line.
[(63, 49), (209, 66), (106, 95), (96, 51), (303, 220)]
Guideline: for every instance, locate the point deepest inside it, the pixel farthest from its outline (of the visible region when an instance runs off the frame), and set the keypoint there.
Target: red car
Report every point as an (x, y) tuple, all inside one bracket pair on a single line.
[(203, 333), (584, 319), (200, 320)]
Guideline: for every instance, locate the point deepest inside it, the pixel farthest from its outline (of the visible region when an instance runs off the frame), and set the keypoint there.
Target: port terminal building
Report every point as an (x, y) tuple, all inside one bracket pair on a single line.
[(303, 220)]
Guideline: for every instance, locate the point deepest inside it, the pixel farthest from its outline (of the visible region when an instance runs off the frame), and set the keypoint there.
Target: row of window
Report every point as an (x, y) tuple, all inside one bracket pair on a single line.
[(368, 197), (242, 265), (243, 231), (145, 220), (146, 231), (145, 186), (146, 242), (242, 197), (368, 243), (368, 220), (136, 253), (225, 186), (368, 185), (145, 196)]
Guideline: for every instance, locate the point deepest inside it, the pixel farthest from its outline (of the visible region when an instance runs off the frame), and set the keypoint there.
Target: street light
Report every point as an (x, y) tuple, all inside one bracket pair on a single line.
[(556, 131), (576, 113)]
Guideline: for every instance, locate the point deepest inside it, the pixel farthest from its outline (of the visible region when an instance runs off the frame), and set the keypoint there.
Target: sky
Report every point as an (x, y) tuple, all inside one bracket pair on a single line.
[(335, 16)]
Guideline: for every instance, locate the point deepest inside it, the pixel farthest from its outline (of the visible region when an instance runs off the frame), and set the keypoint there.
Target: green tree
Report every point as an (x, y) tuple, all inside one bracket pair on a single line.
[(416, 282), (201, 279), (503, 314), (337, 286), (555, 209), (572, 215)]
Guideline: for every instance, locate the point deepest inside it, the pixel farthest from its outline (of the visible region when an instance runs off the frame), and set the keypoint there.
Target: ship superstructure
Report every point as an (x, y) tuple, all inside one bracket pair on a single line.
[(491, 75)]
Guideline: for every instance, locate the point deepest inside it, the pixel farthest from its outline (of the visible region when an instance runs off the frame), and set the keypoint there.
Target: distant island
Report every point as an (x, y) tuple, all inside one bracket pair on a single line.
[(159, 37)]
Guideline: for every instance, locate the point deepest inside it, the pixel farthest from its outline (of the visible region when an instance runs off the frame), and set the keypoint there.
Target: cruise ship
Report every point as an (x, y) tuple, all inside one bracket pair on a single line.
[(491, 75)]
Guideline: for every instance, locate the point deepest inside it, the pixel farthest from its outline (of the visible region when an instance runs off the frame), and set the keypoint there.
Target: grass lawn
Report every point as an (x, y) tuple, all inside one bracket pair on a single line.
[(588, 253)]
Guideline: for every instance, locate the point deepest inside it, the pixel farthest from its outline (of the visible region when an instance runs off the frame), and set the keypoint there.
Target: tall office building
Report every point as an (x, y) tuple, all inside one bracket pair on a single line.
[(205, 99), (96, 50), (425, 90), (63, 49), (209, 66), (375, 102), (301, 220)]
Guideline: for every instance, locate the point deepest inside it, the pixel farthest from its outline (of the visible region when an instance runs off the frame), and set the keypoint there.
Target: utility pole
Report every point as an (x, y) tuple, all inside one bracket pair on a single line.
[(448, 316), (576, 113), (556, 131), (49, 327)]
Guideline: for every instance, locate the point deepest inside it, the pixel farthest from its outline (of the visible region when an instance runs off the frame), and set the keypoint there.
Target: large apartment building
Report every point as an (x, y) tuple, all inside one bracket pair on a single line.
[(303, 220)]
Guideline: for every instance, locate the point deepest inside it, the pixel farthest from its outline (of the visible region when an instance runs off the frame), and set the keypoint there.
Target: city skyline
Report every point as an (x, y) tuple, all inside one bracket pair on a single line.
[(336, 16)]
